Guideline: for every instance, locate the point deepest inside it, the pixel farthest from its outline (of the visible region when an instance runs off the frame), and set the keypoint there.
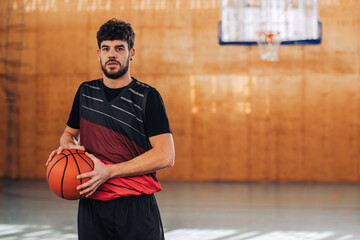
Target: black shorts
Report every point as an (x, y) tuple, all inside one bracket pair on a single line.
[(124, 218)]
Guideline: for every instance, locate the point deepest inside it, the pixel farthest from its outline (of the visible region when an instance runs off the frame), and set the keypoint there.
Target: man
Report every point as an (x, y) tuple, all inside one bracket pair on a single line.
[(123, 126)]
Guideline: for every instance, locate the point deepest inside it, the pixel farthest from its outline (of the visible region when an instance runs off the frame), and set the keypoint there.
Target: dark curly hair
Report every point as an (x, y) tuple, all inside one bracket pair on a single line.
[(116, 30)]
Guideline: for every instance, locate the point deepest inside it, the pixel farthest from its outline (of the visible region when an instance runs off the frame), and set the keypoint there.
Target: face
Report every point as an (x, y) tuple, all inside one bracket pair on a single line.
[(114, 58)]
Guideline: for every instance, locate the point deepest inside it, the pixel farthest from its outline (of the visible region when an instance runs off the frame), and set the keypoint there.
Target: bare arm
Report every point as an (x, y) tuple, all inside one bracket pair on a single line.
[(68, 140), (70, 137), (162, 155)]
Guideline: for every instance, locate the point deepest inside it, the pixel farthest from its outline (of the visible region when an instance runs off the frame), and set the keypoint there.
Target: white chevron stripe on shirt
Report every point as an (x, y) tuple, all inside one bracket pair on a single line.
[(136, 93), (93, 87), (128, 100), (107, 115), (96, 99), (127, 112)]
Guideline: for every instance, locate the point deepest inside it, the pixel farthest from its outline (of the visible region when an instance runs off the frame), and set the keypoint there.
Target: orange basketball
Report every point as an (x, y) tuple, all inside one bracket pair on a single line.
[(62, 171)]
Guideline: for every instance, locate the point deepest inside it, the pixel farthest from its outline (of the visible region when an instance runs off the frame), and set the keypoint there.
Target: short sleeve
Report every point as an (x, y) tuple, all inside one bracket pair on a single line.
[(74, 117), (156, 120)]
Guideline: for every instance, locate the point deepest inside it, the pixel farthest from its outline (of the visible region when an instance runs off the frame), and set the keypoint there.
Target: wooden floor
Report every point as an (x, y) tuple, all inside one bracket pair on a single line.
[(201, 211)]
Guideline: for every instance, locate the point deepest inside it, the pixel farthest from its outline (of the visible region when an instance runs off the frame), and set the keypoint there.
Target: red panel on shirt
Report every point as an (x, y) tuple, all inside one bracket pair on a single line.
[(111, 147)]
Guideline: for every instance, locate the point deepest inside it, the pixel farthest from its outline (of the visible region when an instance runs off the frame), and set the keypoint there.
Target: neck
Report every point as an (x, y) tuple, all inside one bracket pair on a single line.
[(118, 82)]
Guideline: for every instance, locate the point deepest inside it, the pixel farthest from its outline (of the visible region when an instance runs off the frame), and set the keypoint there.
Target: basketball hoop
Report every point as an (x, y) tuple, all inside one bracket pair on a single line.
[(269, 43)]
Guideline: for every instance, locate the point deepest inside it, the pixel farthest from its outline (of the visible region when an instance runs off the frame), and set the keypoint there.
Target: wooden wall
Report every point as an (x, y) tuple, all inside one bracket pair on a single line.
[(234, 117)]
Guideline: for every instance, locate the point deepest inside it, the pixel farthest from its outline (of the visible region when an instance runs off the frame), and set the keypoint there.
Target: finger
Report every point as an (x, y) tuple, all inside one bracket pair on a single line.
[(91, 156), (83, 192), (87, 187), (52, 154), (86, 194), (91, 193), (85, 175), (77, 147), (50, 157), (83, 187), (87, 190), (60, 149)]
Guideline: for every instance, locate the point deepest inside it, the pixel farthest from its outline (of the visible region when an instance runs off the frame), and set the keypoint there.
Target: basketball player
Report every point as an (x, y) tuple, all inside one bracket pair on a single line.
[(123, 126)]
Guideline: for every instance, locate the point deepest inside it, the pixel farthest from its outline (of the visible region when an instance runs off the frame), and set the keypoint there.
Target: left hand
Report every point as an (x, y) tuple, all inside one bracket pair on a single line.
[(99, 175)]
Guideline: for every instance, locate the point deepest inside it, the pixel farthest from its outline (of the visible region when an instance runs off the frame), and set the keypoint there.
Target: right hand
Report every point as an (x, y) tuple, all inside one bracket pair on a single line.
[(63, 147)]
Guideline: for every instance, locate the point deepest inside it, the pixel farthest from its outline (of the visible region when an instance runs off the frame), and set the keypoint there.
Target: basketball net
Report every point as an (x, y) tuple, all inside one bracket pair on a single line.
[(269, 45)]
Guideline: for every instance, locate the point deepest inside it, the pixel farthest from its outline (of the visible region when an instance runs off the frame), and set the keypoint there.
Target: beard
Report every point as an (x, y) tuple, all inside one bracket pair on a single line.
[(116, 74)]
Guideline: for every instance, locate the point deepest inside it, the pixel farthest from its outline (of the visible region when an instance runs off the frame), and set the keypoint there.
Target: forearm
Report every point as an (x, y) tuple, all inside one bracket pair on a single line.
[(148, 162), (161, 156), (69, 138)]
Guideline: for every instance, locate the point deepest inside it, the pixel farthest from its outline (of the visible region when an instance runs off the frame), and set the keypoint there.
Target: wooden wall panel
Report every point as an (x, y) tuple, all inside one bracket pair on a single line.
[(234, 116), (3, 125)]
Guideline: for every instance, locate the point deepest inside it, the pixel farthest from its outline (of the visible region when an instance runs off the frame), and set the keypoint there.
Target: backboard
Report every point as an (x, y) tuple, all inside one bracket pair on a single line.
[(292, 21)]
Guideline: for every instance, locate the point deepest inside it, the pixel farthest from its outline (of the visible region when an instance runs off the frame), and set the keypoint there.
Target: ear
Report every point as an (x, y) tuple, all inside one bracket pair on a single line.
[(132, 54), (98, 53)]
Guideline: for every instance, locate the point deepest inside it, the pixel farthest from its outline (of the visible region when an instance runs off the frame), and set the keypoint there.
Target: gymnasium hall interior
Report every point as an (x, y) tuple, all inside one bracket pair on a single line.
[(262, 96)]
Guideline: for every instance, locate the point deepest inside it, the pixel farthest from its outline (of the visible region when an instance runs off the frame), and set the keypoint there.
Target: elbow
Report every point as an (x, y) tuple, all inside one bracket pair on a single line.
[(169, 160)]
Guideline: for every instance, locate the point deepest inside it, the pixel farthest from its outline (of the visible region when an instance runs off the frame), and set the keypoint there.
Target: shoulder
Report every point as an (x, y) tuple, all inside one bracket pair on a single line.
[(151, 91), (140, 86), (93, 84)]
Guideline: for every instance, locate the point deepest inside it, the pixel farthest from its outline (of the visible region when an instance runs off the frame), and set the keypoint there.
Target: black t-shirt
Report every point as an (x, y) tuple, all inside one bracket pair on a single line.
[(155, 114)]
